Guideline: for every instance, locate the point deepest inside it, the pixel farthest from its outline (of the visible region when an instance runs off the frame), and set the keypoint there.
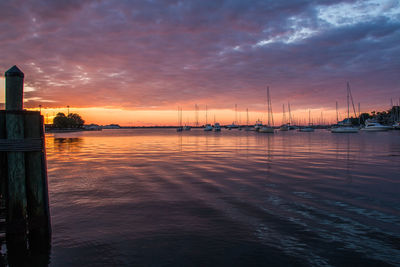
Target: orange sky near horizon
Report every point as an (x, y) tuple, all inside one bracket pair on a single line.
[(151, 117), (104, 116)]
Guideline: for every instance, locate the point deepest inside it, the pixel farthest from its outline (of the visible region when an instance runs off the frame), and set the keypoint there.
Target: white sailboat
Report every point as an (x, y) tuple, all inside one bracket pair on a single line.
[(308, 128), (347, 126), (207, 127), (248, 128), (284, 126), (268, 128), (217, 127), (258, 125), (234, 123)]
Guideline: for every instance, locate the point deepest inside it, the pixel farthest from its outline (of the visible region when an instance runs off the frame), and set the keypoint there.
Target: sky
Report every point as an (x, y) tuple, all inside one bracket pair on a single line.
[(136, 62)]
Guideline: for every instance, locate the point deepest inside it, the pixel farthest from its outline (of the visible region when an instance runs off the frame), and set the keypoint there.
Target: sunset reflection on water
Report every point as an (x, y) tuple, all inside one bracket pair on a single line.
[(155, 196)]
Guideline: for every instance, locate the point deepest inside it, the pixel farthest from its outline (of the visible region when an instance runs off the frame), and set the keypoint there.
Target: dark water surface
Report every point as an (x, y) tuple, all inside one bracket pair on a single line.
[(158, 197)]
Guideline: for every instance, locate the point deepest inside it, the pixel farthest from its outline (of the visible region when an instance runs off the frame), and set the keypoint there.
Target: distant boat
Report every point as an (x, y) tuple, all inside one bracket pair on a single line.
[(268, 128), (372, 126), (258, 125), (308, 128), (187, 128), (180, 128), (284, 126), (232, 126), (208, 128), (347, 126), (217, 127), (248, 128), (396, 126)]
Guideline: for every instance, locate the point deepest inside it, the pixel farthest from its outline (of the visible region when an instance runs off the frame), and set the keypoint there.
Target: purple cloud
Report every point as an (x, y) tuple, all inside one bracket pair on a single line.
[(161, 54)]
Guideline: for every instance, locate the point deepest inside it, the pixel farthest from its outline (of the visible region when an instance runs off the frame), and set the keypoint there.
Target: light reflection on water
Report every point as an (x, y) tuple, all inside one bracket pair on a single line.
[(158, 197)]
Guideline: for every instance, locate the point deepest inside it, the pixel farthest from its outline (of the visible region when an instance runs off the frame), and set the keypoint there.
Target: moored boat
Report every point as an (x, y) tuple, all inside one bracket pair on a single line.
[(208, 128), (268, 128), (371, 126), (284, 127), (345, 126)]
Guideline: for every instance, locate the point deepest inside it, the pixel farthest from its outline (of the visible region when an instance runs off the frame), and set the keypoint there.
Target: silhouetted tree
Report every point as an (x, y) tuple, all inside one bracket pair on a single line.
[(73, 120), (60, 121)]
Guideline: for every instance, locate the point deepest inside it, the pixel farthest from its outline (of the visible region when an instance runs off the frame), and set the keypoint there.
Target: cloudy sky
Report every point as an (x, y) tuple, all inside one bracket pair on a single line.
[(130, 58)]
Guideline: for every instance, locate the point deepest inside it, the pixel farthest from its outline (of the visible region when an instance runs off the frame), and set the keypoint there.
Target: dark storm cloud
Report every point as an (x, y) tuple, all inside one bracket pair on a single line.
[(141, 54)]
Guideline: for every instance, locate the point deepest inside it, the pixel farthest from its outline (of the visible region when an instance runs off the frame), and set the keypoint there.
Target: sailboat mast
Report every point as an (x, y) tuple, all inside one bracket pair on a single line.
[(290, 114), (268, 107), (206, 114), (337, 114), (309, 117), (196, 114), (236, 119), (247, 122), (351, 98), (348, 103), (283, 115)]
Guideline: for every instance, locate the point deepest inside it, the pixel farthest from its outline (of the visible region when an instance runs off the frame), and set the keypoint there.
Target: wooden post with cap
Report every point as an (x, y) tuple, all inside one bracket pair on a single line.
[(16, 200), (25, 173)]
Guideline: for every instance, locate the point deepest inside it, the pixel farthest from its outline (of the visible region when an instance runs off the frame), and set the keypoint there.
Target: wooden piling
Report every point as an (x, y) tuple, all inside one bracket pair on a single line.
[(16, 200), (36, 182), (3, 159), (23, 172)]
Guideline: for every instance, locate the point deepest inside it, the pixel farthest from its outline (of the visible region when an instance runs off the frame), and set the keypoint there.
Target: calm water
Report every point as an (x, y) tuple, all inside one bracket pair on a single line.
[(158, 197)]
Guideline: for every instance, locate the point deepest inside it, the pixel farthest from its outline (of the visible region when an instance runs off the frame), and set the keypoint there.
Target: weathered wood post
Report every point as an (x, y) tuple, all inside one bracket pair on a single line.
[(36, 181), (16, 196), (23, 171)]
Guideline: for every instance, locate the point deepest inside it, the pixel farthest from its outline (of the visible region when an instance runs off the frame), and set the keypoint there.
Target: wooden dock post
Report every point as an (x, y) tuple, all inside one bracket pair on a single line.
[(23, 172), (36, 182), (16, 196)]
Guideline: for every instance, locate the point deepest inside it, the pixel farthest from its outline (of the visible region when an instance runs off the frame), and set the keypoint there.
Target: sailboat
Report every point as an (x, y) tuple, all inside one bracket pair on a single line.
[(187, 127), (217, 126), (268, 128), (207, 127), (180, 128), (234, 123), (258, 125), (284, 126), (309, 128), (347, 126), (247, 121), (290, 124)]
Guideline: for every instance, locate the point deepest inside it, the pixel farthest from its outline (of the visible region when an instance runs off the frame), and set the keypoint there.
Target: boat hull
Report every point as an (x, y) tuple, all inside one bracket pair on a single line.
[(375, 129), (306, 130), (266, 130)]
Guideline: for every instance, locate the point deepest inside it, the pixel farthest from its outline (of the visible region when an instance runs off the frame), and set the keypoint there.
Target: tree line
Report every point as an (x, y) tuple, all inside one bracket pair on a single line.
[(72, 120), (388, 117)]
